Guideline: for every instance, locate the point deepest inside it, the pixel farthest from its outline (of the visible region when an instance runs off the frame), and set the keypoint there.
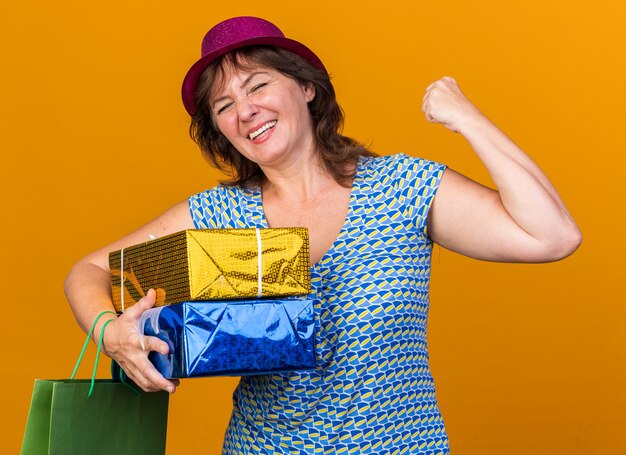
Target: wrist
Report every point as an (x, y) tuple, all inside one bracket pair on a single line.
[(472, 123), (97, 328)]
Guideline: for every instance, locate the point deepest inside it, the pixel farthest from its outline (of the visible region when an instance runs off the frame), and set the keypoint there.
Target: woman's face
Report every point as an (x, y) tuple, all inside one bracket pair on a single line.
[(264, 115)]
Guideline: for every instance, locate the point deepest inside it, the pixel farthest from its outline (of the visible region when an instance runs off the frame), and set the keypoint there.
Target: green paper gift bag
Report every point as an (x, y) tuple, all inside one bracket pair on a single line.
[(94, 417), (114, 420)]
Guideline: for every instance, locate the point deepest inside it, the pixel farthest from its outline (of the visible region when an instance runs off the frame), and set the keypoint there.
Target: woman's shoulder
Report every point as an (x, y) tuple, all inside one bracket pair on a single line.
[(398, 164), (221, 193), (220, 205)]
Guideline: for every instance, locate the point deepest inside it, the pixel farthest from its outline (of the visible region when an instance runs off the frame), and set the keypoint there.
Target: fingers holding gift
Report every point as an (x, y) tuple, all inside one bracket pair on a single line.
[(145, 303), (124, 342), (141, 371), (148, 344), (133, 359), (123, 334)]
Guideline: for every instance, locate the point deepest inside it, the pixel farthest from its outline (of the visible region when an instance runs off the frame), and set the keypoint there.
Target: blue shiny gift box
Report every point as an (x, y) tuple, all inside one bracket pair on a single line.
[(234, 337)]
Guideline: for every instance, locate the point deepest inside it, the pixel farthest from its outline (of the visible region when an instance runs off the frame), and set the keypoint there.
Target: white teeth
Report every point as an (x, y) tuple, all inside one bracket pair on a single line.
[(262, 130)]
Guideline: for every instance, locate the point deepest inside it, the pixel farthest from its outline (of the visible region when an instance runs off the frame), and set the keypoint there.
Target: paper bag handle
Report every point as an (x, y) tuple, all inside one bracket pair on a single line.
[(82, 352)]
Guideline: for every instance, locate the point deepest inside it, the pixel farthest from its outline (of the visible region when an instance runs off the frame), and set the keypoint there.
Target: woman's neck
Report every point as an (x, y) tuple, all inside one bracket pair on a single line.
[(298, 182)]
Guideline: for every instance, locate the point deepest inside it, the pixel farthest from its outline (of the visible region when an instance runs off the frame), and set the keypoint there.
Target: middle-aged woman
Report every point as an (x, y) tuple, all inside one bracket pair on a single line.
[(264, 110)]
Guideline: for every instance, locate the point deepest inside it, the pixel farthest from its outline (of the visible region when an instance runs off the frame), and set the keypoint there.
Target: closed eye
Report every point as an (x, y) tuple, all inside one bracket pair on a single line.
[(258, 87), (223, 108)]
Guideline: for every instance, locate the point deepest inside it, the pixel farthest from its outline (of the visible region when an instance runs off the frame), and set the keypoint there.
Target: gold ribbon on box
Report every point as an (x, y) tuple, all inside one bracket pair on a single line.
[(212, 264)]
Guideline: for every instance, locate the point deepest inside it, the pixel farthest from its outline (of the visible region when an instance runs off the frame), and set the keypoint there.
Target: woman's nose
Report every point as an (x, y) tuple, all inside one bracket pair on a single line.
[(246, 109)]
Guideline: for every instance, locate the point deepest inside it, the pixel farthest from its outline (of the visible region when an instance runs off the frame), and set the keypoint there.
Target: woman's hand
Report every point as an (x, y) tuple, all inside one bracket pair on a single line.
[(124, 343), (445, 103)]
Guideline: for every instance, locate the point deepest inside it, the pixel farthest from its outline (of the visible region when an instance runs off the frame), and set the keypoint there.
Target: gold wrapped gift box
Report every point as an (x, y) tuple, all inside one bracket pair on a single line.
[(209, 264)]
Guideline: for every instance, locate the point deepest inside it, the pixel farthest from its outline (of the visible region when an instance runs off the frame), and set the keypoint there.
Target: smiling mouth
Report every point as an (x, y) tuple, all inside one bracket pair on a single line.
[(268, 126)]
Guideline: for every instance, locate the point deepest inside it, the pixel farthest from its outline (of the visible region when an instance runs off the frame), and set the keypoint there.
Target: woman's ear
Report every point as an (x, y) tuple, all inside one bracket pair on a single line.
[(309, 92)]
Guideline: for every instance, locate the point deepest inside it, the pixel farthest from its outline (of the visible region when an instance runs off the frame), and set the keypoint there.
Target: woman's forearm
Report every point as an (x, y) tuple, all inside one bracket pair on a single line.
[(88, 291), (526, 193)]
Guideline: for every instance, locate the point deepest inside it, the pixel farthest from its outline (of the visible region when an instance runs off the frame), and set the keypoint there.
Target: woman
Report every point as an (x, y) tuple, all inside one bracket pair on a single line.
[(263, 108)]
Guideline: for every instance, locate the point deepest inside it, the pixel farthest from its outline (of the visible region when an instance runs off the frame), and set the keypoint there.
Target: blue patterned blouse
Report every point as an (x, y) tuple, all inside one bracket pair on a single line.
[(372, 391)]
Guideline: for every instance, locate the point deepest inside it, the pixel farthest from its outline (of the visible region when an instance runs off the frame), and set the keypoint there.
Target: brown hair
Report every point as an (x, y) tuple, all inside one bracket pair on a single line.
[(338, 153)]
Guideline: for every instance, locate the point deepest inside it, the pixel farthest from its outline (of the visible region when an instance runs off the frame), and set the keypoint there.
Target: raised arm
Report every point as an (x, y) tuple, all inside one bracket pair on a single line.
[(523, 220), (88, 291)]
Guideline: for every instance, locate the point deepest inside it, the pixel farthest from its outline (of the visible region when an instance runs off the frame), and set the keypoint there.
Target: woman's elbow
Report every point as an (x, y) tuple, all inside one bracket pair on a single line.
[(84, 271), (69, 280), (563, 245)]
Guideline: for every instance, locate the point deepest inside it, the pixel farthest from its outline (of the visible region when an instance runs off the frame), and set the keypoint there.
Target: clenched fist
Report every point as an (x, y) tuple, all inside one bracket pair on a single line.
[(445, 103)]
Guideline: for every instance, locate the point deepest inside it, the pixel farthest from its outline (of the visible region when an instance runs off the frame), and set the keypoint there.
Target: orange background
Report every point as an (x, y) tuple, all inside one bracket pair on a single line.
[(528, 359)]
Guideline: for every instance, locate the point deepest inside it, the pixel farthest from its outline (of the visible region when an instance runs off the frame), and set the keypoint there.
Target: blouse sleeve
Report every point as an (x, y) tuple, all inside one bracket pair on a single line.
[(221, 207), (417, 180)]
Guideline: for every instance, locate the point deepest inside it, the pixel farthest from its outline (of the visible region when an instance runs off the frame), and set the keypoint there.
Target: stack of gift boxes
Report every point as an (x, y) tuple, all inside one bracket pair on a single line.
[(228, 301)]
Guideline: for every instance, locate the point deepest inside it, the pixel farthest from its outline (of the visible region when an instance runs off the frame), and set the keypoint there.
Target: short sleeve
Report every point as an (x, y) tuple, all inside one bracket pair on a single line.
[(420, 179), (416, 181), (218, 208)]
